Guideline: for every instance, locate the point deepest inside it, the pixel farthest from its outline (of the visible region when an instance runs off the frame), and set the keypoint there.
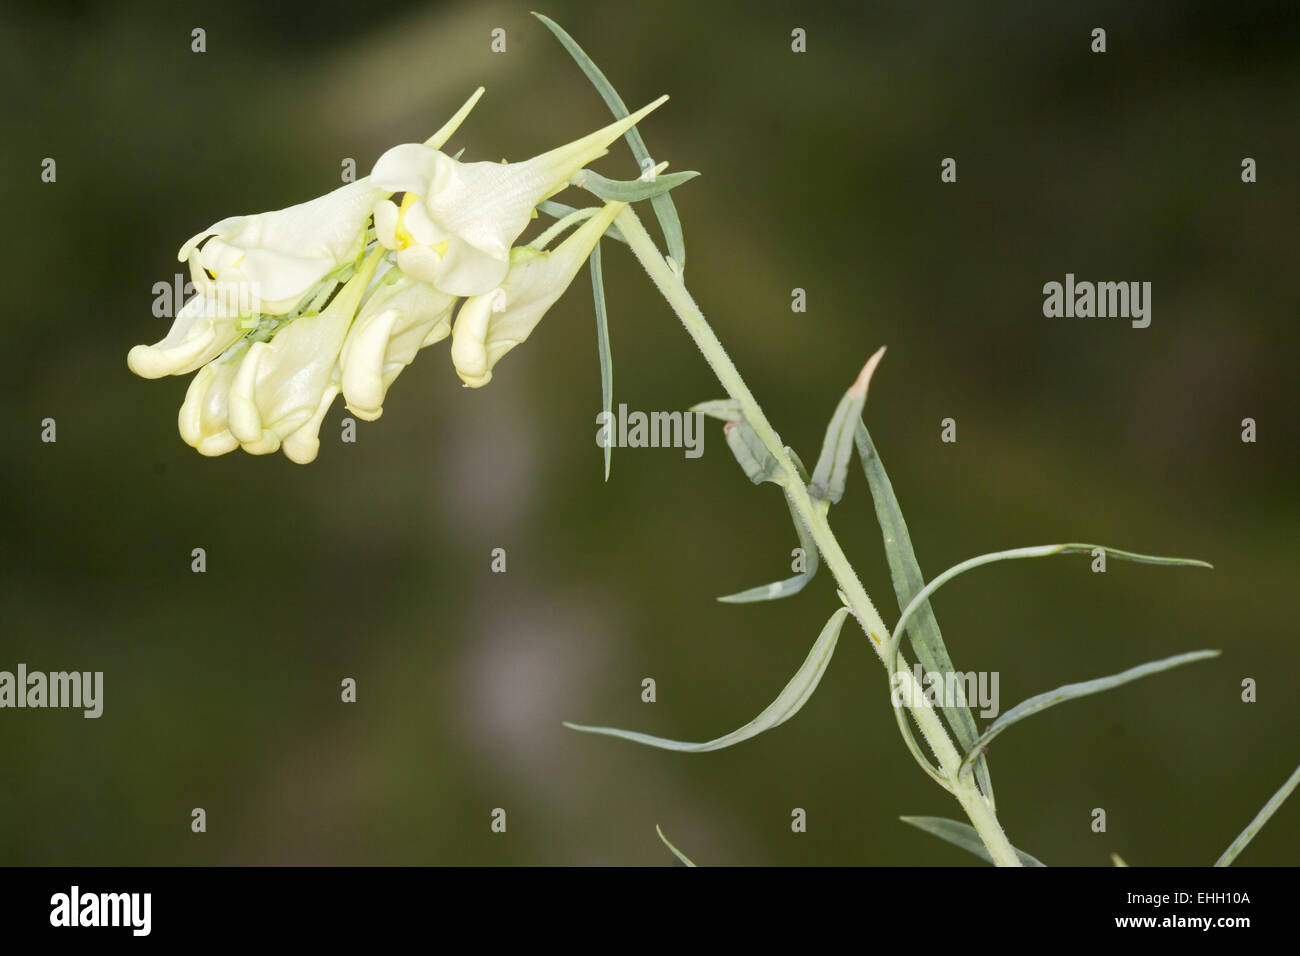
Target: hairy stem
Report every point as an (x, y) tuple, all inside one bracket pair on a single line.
[(813, 513)]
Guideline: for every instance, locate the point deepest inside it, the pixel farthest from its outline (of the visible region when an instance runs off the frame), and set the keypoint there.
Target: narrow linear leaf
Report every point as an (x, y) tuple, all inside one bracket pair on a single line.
[(909, 738), (676, 852), (1117, 860), (1261, 818), (798, 464), (730, 410), (663, 205), (1041, 551), (631, 190), (558, 210), (724, 409), (923, 628), (832, 469), (780, 589), (786, 705), (1041, 702), (962, 835), (758, 463), (606, 358)]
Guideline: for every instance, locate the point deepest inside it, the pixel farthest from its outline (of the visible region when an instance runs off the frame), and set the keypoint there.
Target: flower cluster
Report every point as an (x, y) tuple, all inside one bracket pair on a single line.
[(337, 295)]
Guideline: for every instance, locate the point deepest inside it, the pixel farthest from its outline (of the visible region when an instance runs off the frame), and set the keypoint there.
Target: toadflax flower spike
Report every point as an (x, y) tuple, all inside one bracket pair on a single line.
[(490, 325), (301, 304), (455, 222)]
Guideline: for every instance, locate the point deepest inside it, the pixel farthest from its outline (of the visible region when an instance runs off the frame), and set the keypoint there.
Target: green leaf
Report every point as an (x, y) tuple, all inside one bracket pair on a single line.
[(909, 738), (558, 210), (724, 409), (602, 346), (630, 190), (676, 852), (922, 597), (923, 628), (780, 589), (786, 705), (1042, 551), (759, 463), (1041, 702), (1255, 825), (798, 464), (832, 469), (663, 205), (1117, 860), (962, 835)]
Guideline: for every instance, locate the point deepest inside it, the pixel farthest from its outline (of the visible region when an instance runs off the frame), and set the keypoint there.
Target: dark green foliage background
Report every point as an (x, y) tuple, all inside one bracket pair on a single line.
[(820, 171)]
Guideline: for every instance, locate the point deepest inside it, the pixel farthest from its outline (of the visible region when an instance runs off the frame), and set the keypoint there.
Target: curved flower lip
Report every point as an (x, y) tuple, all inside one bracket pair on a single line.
[(204, 419), (267, 262), (203, 329), (492, 324), (282, 389), (458, 221), (401, 317)]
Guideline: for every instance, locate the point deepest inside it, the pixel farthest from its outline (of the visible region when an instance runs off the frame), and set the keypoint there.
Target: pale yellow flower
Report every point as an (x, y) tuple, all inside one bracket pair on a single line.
[(400, 317), (456, 222), (490, 325), (284, 386)]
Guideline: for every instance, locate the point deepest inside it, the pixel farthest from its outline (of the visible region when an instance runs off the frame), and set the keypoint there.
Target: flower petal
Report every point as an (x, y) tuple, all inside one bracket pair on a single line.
[(474, 212), (269, 261), (302, 446), (202, 330), (281, 384), (465, 270), (397, 321), (203, 420), (488, 205), (490, 325), (469, 339), (408, 167)]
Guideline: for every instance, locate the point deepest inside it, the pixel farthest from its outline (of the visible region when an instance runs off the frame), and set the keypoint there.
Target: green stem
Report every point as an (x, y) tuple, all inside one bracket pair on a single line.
[(813, 513)]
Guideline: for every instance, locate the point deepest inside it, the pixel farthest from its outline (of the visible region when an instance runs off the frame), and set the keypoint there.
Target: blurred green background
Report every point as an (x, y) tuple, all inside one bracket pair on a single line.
[(820, 171)]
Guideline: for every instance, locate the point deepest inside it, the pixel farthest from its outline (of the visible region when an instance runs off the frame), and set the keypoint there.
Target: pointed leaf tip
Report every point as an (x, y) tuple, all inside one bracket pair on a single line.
[(792, 585), (634, 190), (726, 409), (676, 852), (859, 387), (663, 205), (1041, 702), (788, 703), (832, 470)]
